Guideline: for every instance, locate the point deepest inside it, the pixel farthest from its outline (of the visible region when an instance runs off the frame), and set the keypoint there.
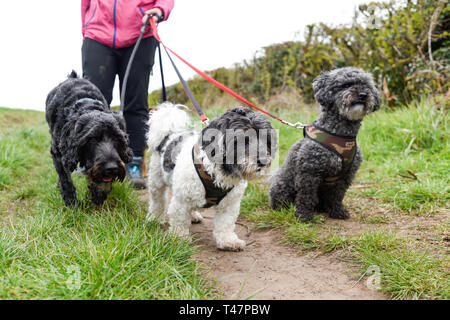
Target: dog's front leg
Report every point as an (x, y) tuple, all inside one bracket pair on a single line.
[(99, 192), (307, 198), (179, 213), (157, 202), (332, 196), (331, 200), (225, 218), (67, 188)]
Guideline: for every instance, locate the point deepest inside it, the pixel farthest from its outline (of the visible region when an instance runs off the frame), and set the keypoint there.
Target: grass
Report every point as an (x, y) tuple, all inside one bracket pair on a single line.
[(407, 151), (405, 170), (108, 252), (50, 252)]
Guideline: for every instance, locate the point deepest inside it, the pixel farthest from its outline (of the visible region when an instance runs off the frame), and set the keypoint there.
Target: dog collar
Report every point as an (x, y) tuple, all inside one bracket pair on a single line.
[(343, 146), (88, 100), (213, 194)]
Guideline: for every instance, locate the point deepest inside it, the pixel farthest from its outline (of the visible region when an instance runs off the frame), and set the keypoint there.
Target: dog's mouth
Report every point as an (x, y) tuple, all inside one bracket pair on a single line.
[(107, 179), (358, 102)]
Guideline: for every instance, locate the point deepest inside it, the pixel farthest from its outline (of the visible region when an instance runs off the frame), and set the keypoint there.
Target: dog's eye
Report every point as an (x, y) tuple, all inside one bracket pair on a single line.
[(346, 85)]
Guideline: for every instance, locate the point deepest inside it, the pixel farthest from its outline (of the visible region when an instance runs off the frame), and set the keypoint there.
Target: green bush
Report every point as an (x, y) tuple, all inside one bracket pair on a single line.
[(390, 39)]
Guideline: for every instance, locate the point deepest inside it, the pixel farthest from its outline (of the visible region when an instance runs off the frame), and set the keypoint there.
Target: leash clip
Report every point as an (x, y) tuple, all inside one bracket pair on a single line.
[(297, 125)]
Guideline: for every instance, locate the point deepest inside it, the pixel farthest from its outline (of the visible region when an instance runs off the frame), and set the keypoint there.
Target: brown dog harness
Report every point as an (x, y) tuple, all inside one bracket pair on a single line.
[(343, 146), (213, 194)]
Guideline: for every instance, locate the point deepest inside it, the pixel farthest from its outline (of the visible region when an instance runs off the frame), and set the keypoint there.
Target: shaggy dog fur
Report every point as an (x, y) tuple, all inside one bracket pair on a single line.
[(172, 166), (83, 130), (345, 96)]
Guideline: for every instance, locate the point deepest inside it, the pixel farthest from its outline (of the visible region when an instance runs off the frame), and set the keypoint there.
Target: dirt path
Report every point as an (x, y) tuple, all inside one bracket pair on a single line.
[(268, 270)]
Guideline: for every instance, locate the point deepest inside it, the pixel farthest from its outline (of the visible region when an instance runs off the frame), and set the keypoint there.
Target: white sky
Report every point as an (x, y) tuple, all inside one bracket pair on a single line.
[(41, 40)]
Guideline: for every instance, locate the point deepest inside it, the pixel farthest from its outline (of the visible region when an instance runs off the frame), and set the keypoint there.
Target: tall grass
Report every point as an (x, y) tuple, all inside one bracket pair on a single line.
[(407, 153)]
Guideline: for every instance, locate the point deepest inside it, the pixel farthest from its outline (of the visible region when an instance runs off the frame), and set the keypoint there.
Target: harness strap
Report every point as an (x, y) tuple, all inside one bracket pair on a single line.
[(213, 194), (343, 146)]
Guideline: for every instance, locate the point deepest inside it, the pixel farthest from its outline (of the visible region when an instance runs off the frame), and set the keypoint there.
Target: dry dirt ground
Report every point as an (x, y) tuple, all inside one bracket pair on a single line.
[(269, 270)]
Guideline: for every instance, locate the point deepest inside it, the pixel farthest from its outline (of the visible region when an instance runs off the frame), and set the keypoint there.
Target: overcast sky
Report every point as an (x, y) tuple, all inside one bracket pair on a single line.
[(41, 40)]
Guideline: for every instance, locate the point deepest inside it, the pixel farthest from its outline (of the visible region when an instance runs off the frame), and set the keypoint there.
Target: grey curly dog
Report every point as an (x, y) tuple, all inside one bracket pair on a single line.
[(320, 168)]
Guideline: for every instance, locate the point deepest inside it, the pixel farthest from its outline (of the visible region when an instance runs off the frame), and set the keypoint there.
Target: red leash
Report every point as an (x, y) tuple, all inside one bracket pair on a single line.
[(221, 86)]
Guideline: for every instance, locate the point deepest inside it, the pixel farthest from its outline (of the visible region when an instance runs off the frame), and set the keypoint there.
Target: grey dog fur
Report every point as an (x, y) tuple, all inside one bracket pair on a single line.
[(300, 179)]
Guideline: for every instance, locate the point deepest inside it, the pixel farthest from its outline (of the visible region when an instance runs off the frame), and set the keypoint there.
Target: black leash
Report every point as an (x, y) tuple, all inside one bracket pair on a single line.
[(188, 91), (164, 93), (202, 116), (130, 63)]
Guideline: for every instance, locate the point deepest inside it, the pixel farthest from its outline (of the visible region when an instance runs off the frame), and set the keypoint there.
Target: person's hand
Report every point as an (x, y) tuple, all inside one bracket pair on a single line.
[(153, 11)]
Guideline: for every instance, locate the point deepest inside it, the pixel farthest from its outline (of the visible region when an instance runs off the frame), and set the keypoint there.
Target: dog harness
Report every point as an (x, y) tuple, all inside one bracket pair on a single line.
[(343, 146), (213, 194)]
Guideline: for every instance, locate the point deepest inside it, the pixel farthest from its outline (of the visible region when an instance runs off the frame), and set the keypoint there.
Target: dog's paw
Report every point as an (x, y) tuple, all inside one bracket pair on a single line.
[(304, 216), (229, 242), (181, 232), (196, 217), (71, 202), (339, 213)]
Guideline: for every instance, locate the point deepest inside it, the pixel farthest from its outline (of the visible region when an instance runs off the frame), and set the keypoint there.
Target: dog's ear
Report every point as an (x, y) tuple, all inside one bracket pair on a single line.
[(376, 96), (376, 106), (68, 144), (322, 93), (125, 153), (70, 157)]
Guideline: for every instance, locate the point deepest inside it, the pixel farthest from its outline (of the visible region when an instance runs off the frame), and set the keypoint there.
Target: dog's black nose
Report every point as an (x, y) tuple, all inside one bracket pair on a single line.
[(362, 95), (111, 168), (261, 161)]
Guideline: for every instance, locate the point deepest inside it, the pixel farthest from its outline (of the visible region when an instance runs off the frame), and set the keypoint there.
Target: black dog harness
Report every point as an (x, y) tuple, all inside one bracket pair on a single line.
[(344, 146), (213, 194)]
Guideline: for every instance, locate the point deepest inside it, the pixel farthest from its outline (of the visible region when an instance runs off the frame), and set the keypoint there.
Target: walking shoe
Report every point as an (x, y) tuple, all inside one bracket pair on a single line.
[(134, 173)]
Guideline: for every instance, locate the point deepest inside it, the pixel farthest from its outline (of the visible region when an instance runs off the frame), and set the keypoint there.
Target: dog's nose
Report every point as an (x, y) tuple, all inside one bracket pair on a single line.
[(261, 161), (362, 95), (111, 168)]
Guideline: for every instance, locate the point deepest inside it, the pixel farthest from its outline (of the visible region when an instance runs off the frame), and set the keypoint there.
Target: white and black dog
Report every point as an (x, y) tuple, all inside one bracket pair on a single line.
[(206, 169)]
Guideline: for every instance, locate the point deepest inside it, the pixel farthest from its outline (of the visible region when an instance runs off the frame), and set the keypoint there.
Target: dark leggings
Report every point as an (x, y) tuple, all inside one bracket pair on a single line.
[(101, 64)]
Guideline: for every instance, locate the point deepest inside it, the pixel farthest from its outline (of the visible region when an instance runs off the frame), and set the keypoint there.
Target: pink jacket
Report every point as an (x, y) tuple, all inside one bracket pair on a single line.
[(117, 23)]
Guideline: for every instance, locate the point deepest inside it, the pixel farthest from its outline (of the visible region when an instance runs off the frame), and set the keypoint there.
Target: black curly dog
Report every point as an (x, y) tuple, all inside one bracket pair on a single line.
[(83, 130), (314, 176)]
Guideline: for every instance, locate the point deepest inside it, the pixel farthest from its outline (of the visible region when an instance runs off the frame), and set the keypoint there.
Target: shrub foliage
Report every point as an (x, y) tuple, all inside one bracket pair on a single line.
[(404, 43)]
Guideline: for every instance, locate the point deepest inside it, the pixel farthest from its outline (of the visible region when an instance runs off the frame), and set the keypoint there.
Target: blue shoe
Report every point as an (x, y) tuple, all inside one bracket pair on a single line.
[(134, 172)]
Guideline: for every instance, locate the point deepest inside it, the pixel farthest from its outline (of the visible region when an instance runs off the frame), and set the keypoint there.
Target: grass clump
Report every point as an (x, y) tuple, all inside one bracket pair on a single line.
[(48, 251)]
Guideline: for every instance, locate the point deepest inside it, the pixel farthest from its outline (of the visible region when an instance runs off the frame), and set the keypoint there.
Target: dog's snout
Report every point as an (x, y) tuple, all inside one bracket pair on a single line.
[(362, 95), (261, 161), (111, 168)]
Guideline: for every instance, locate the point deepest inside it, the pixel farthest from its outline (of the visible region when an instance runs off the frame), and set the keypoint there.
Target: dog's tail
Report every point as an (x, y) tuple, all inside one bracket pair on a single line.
[(167, 119), (73, 74)]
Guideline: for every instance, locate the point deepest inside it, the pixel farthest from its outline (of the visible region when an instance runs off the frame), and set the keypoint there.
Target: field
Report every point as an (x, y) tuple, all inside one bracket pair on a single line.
[(399, 204)]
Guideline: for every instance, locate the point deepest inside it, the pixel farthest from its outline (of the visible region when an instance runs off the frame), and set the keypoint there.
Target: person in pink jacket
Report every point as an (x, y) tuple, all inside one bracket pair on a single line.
[(110, 29)]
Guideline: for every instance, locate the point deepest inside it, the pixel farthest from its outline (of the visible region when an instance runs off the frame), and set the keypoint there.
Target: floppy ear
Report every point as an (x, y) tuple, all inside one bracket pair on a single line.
[(69, 144), (376, 95), (70, 158), (322, 94), (125, 153)]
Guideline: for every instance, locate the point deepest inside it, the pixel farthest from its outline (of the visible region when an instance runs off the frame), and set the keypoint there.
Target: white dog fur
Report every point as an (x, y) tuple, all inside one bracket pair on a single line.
[(168, 126)]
